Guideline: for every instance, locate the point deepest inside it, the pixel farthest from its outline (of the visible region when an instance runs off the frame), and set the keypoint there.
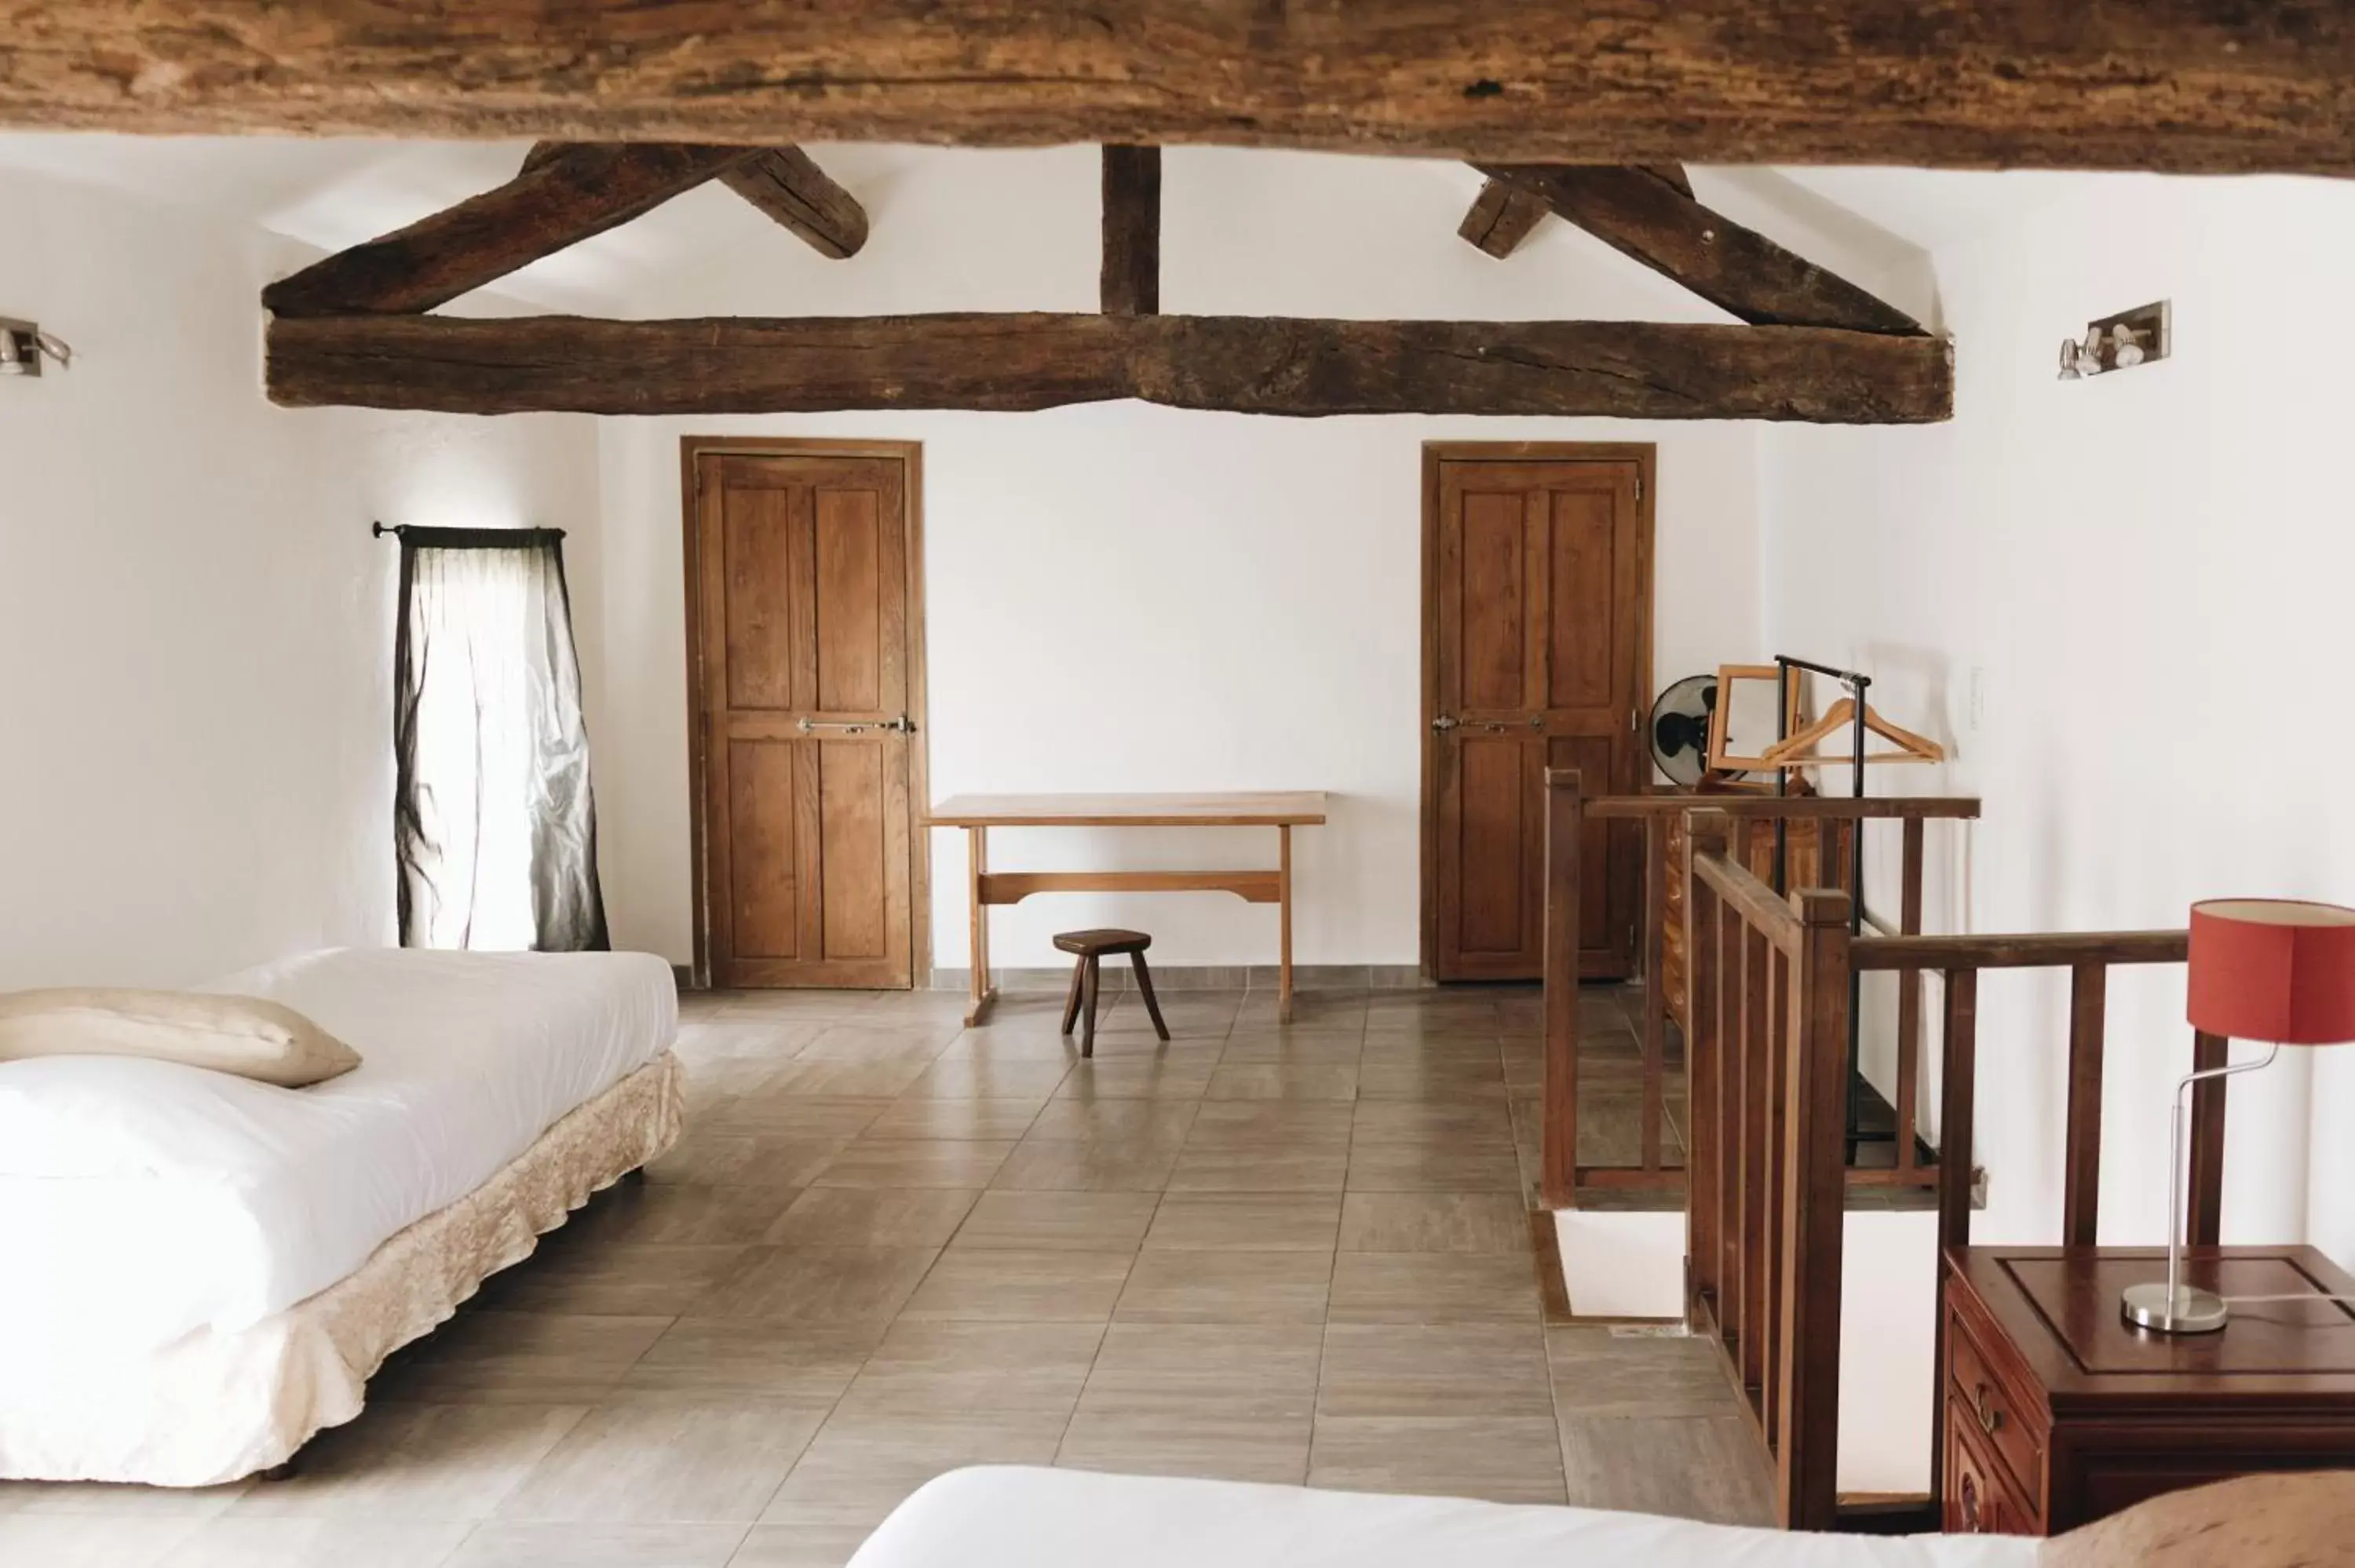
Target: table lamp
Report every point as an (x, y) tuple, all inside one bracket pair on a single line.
[(2276, 969)]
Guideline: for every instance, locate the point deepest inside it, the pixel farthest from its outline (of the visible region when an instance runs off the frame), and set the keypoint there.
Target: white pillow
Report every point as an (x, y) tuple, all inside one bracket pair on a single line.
[(253, 1038)]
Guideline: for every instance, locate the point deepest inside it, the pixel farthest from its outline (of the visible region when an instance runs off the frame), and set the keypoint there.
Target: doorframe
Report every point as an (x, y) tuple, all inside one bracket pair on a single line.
[(1646, 456), (910, 455)]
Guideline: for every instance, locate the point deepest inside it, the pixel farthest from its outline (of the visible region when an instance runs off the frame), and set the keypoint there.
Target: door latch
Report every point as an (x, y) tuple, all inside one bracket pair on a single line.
[(899, 726)]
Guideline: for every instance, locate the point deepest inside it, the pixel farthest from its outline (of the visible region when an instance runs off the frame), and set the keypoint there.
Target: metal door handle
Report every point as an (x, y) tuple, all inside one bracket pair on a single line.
[(899, 726), (1444, 722)]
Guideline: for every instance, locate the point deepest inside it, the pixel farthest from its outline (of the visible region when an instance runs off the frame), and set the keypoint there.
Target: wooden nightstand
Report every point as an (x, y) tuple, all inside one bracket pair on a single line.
[(2056, 1413)]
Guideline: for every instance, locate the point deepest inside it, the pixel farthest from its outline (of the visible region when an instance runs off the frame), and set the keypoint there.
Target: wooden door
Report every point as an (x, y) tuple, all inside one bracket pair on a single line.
[(805, 633), (1537, 623)]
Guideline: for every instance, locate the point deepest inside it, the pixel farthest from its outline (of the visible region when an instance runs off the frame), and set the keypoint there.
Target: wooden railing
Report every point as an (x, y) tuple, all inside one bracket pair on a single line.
[(1840, 823), (1767, 1059), (1767, 1064)]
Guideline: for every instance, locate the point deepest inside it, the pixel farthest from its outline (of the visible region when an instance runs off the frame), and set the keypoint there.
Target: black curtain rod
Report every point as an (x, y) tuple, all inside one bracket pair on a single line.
[(466, 538)]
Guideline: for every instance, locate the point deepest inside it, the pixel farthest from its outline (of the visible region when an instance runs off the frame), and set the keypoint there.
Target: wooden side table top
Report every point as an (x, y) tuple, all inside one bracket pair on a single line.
[(1238, 808), (2059, 1307)]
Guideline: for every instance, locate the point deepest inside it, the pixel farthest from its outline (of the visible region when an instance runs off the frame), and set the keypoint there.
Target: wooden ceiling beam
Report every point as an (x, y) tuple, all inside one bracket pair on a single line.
[(1639, 370), (1501, 216), (2186, 85), (561, 196), (1673, 175), (786, 184), (1131, 230), (1639, 214)]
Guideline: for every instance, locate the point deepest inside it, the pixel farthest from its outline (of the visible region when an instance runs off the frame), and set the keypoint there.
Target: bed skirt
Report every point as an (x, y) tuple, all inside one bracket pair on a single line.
[(213, 1407)]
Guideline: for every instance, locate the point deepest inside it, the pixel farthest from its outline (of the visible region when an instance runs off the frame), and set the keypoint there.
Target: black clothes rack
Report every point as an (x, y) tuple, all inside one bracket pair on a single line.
[(1858, 683)]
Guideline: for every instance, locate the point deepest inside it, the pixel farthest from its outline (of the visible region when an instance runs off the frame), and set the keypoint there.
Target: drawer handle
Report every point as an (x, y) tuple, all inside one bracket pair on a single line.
[(1972, 1523), (1990, 1416)]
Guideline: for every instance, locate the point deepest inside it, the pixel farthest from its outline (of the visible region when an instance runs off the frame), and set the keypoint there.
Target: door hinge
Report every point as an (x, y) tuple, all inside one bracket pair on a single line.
[(1639, 485)]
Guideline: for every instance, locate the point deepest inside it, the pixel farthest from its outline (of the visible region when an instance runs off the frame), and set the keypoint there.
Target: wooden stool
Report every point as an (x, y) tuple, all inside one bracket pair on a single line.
[(1093, 947)]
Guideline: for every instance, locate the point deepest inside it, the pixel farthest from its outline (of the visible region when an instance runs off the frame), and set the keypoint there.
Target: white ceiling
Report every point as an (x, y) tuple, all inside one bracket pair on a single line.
[(334, 192)]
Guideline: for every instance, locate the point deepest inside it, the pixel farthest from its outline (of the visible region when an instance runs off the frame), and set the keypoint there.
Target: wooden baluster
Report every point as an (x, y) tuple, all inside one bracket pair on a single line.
[(1781, 995), (2081, 1200), (1730, 1079), (1957, 1105), (1558, 1132), (1656, 1000), (1908, 1003), (1703, 1131), (1814, 1157), (2205, 1222), (1738, 1037), (1757, 1095)]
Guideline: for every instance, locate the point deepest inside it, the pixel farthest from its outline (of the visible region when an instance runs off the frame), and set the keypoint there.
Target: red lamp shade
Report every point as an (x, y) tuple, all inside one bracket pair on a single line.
[(2279, 970)]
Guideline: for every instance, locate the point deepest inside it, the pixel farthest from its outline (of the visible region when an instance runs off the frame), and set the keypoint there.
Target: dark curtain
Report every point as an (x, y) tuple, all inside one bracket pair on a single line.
[(494, 830)]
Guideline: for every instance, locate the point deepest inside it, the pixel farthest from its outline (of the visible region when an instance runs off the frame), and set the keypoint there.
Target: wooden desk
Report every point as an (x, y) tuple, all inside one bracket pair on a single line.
[(977, 815), (2056, 1413)]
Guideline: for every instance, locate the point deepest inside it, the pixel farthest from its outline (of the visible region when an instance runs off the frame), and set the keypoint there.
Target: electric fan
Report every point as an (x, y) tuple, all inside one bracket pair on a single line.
[(1680, 728)]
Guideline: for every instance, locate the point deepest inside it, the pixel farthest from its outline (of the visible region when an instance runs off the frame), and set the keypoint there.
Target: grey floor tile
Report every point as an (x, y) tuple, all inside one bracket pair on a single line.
[(1060, 1221), (1176, 1286), (820, 1284), (1706, 1468), (658, 1461)]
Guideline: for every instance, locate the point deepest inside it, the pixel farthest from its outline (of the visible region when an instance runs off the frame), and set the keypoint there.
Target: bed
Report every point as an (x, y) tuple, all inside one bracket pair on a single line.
[(1013, 1517), (204, 1270)]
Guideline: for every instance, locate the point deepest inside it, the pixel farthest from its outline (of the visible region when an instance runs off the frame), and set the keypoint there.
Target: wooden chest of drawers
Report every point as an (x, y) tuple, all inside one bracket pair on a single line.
[(2055, 1412)]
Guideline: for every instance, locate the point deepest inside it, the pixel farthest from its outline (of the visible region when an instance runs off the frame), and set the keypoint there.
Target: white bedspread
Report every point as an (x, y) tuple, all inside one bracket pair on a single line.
[(1017, 1518), (140, 1201)]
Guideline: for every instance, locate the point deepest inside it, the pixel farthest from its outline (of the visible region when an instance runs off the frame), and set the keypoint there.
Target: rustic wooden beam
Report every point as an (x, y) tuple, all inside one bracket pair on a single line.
[(559, 196), (1131, 230), (1642, 370), (1670, 174), (1501, 216), (1504, 212), (1641, 215), (2188, 85), (785, 183)]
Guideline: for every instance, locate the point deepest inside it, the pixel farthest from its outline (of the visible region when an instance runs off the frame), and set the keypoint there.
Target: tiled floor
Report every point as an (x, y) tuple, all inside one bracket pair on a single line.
[(887, 1245)]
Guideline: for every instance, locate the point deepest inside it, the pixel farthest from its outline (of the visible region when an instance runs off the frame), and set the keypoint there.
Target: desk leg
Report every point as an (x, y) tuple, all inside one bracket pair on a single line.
[(976, 863), (1284, 924)]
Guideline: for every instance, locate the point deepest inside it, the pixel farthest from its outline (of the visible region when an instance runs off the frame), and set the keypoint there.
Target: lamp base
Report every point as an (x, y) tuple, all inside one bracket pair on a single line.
[(2190, 1312)]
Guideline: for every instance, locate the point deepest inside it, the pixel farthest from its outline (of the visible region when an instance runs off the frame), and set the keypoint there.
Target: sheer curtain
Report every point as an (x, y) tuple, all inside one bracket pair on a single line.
[(493, 826)]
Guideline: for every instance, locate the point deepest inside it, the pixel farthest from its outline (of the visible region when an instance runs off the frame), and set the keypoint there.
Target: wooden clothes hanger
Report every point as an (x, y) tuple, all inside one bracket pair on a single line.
[(1911, 748)]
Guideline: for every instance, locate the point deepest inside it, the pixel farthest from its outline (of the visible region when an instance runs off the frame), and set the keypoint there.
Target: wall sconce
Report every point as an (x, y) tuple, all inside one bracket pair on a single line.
[(2118, 343), (23, 346)]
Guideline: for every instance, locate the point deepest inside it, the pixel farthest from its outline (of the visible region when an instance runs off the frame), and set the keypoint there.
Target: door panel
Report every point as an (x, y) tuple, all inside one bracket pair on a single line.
[(1495, 829), (850, 832), (849, 601), (1489, 600), (758, 553), (1538, 630), (1582, 581), (762, 904), (803, 600)]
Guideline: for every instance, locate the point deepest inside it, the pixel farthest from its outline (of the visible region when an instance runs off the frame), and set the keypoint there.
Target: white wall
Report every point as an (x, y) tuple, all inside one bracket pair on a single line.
[(1123, 597), (195, 625), (2149, 573), (1632, 1265)]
